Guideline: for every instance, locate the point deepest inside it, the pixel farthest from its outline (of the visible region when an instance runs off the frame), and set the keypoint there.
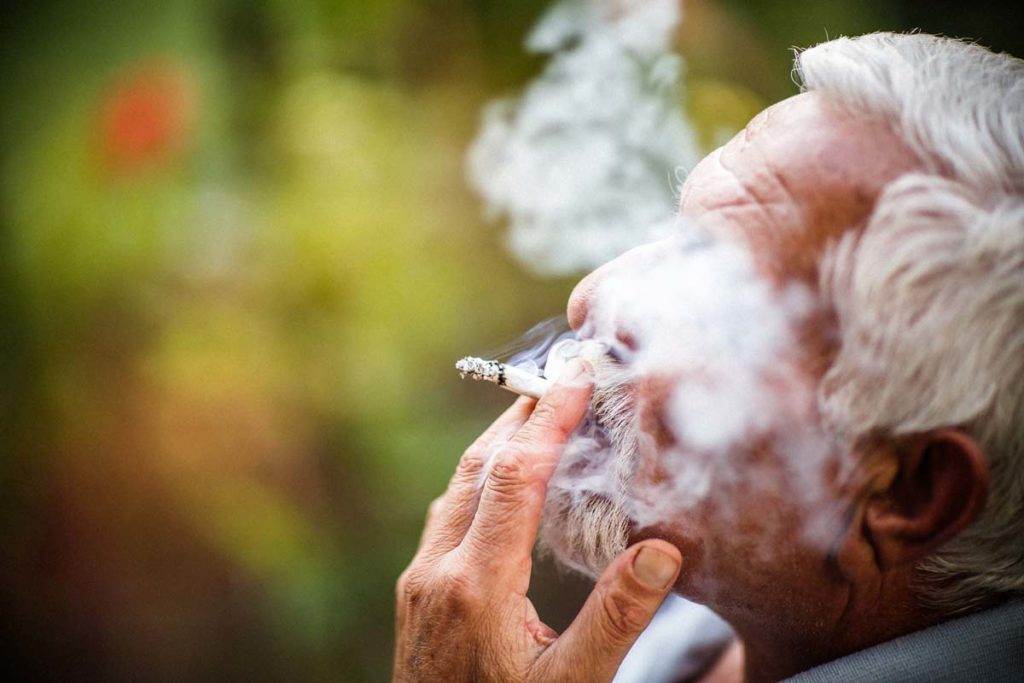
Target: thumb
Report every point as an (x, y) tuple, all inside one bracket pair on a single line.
[(621, 605)]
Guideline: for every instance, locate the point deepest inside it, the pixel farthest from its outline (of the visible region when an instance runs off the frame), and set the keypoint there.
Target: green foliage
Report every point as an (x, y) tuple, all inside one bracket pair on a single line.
[(233, 313)]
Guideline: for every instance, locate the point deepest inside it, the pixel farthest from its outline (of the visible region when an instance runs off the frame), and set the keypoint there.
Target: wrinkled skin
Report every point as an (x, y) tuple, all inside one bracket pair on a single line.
[(462, 611), (797, 178)]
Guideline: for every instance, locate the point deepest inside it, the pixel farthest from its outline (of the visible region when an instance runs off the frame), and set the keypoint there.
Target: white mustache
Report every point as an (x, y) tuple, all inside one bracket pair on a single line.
[(585, 520)]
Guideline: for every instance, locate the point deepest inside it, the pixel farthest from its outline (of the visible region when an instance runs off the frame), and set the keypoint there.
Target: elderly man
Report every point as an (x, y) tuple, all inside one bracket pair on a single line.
[(860, 514)]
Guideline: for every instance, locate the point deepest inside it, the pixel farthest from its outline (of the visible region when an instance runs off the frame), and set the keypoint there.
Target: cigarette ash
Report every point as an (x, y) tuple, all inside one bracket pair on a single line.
[(531, 371), (481, 370)]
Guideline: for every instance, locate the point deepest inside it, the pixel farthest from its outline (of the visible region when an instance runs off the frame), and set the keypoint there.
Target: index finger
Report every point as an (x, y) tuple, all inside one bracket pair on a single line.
[(508, 514), (452, 513)]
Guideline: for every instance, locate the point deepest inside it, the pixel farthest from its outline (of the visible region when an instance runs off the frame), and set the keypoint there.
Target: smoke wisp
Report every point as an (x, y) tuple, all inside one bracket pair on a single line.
[(700, 395), (583, 164), (704, 404)]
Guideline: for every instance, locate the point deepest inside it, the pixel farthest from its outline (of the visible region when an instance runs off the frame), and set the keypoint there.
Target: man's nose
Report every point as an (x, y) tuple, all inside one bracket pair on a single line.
[(580, 300)]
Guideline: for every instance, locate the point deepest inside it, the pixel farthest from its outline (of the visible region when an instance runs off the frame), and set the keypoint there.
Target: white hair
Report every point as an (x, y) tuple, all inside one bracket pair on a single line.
[(930, 296)]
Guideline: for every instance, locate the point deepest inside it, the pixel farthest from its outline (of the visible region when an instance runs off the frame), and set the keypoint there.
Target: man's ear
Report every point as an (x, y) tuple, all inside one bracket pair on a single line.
[(939, 488)]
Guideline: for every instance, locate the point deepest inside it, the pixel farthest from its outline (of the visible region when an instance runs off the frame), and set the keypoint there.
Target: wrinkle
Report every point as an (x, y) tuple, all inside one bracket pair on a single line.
[(744, 188), (743, 202), (768, 200), (780, 181)]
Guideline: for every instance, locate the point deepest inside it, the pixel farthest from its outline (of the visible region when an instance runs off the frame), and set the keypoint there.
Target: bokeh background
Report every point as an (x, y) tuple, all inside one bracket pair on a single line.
[(238, 258)]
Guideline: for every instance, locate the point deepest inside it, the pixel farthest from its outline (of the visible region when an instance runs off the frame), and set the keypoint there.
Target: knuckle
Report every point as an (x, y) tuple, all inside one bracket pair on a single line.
[(409, 588), (461, 591), (472, 462), (448, 588), (403, 587), (510, 471), (458, 589), (623, 615), (435, 508)]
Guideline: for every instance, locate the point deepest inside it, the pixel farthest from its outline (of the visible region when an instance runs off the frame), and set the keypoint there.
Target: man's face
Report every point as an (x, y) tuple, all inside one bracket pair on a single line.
[(798, 177)]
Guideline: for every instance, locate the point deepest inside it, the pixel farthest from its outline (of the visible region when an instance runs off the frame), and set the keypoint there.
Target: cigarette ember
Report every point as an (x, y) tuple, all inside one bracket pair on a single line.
[(507, 377)]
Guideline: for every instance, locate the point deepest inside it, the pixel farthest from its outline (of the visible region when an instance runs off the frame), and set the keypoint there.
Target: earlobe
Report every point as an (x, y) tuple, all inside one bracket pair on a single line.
[(939, 489)]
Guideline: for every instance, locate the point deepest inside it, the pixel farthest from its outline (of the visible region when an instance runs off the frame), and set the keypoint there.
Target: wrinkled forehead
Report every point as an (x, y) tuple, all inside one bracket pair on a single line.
[(797, 177), (800, 174)]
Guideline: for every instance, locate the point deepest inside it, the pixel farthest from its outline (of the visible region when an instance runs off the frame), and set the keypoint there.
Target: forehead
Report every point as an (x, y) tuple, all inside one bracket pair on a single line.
[(801, 173)]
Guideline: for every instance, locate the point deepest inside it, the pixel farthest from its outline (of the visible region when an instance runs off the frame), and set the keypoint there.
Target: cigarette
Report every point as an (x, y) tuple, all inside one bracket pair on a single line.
[(505, 376)]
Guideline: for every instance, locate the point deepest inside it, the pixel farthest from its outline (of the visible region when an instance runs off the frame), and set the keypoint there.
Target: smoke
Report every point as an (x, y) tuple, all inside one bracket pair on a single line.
[(532, 351), (702, 374), (696, 310), (705, 381), (583, 163)]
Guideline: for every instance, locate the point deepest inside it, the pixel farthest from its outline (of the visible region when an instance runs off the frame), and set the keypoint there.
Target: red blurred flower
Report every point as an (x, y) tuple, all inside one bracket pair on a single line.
[(147, 119)]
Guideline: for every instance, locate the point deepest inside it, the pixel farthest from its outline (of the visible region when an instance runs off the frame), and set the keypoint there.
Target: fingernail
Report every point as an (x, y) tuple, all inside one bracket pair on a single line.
[(655, 568), (572, 371)]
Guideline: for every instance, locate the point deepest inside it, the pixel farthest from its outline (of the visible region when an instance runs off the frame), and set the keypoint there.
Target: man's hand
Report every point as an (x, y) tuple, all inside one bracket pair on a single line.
[(462, 612)]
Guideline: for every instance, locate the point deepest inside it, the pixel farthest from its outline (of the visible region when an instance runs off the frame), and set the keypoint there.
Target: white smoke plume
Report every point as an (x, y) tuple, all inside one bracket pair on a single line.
[(583, 164), (725, 343)]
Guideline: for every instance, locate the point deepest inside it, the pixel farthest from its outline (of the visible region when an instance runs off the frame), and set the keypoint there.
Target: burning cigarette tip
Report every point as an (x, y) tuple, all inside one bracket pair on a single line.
[(480, 369), (505, 376)]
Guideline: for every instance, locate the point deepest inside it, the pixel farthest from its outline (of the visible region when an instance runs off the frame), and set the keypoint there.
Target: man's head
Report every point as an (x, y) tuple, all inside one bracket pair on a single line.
[(858, 325)]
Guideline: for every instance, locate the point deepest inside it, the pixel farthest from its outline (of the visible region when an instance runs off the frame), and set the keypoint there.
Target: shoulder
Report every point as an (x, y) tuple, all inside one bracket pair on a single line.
[(986, 645)]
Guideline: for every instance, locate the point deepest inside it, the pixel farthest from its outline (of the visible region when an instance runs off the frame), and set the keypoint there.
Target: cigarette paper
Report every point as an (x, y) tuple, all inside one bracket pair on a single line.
[(505, 376)]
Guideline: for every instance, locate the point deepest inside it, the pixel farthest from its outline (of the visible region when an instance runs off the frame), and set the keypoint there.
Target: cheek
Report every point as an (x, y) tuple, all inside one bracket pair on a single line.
[(650, 396)]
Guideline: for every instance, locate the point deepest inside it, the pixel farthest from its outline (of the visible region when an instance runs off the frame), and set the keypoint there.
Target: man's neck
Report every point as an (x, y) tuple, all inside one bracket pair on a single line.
[(771, 654)]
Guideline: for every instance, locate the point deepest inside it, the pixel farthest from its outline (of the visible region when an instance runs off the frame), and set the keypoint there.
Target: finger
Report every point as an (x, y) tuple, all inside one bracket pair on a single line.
[(505, 526), (431, 522), (451, 514), (622, 604)]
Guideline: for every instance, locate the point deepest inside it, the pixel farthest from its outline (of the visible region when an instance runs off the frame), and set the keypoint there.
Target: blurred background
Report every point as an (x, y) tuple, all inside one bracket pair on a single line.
[(238, 258)]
